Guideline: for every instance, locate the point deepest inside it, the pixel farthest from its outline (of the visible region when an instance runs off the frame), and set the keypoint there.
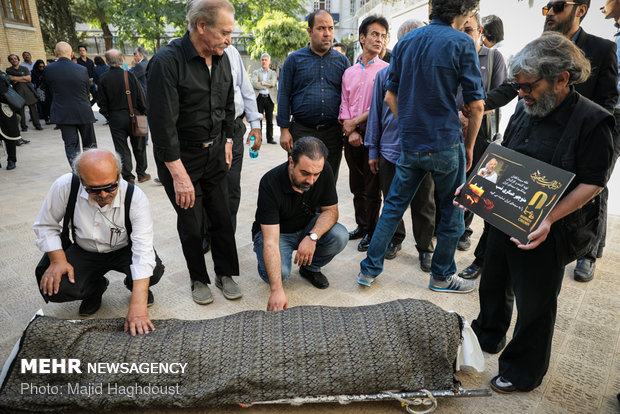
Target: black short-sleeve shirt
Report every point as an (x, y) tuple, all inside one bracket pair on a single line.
[(279, 203)]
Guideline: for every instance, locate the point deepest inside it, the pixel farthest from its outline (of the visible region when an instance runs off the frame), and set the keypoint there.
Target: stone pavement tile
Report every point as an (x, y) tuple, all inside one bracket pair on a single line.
[(597, 315), (565, 396), (590, 352), (587, 377)]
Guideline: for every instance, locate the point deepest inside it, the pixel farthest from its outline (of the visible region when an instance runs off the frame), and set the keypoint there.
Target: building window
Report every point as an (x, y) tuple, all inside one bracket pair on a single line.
[(352, 10), (16, 10), (321, 5)]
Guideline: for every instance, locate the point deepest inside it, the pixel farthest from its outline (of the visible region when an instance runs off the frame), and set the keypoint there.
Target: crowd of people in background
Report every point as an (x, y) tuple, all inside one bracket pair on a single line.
[(411, 123)]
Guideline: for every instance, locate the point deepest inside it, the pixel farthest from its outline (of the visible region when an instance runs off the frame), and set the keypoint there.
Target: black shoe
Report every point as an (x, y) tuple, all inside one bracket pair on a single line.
[(317, 279), (464, 243), (57, 127), (20, 142), (357, 233), (471, 272), (271, 142), (584, 271), (24, 129), (503, 386), (392, 250), (206, 245), (150, 300), (10, 165), (364, 243), (39, 128), (426, 258), (92, 304)]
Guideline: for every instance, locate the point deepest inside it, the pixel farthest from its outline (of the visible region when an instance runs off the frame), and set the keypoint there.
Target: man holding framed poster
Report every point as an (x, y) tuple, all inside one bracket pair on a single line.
[(554, 124)]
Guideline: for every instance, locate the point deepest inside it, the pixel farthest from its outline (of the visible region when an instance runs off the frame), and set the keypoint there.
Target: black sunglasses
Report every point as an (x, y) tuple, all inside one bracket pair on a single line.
[(557, 7), (108, 188), (526, 87)]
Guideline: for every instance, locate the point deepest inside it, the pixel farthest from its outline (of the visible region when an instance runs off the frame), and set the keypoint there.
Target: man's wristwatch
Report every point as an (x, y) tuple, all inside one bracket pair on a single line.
[(313, 236)]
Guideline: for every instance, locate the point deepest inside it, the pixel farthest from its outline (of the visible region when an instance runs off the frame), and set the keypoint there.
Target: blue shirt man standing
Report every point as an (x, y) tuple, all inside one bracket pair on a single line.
[(309, 91), (427, 66)]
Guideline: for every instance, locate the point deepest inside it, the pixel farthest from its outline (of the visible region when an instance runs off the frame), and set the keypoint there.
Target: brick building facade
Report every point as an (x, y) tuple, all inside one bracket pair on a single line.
[(20, 30)]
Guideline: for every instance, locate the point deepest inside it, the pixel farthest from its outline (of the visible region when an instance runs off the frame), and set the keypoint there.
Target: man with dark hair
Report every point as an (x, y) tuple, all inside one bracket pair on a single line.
[(424, 100), (601, 87), (140, 62), (21, 79), (554, 124), (70, 110), (87, 62), (357, 83), (340, 47), (111, 229), (310, 88), (383, 144), (492, 31), (290, 197), (192, 120), (27, 63), (113, 104)]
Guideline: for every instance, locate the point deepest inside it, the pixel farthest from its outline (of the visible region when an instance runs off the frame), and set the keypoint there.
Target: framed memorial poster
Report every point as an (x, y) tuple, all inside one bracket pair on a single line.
[(513, 192)]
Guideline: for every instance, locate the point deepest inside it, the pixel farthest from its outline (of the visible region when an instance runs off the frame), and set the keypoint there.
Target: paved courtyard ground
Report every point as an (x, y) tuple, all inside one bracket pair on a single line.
[(584, 376)]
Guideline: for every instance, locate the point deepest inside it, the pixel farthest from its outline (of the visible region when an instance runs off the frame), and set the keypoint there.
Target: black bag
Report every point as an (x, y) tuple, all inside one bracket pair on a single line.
[(15, 101)]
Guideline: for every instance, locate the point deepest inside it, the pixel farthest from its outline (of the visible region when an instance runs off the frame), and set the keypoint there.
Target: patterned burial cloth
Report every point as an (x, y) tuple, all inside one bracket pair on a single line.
[(403, 345)]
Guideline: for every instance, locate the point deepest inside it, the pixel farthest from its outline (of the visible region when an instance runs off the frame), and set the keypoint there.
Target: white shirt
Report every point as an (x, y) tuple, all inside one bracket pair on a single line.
[(489, 176), (29, 66), (245, 99), (94, 224), (265, 79)]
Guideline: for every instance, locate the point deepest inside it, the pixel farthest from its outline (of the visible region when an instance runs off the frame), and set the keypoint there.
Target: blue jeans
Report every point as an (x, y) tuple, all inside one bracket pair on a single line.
[(328, 246), (448, 170)]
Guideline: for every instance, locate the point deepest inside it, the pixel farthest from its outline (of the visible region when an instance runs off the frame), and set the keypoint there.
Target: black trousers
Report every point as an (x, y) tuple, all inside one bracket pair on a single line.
[(89, 270), (120, 129), (72, 140), (34, 115), (364, 186), (331, 137), (206, 168), (265, 107), (11, 150), (532, 279), (422, 208)]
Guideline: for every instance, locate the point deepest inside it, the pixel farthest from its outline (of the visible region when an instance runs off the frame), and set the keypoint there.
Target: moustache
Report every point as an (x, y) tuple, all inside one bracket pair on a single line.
[(108, 197)]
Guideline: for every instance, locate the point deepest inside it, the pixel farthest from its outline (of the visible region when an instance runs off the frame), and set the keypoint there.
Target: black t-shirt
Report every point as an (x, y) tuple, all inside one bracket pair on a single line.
[(279, 203), (539, 137)]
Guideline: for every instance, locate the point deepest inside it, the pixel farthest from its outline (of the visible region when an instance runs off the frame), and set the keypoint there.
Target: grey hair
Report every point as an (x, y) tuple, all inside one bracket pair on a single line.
[(265, 54), (140, 50), (205, 10), (476, 16), (114, 58), (548, 56), (76, 161), (408, 26)]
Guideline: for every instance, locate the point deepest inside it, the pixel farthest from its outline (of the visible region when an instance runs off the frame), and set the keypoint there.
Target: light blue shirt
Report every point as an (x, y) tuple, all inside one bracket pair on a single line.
[(245, 99)]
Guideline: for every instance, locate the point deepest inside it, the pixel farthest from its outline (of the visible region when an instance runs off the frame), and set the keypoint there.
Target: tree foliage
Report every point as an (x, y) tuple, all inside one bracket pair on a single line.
[(249, 12), (57, 23), (97, 13), (277, 34)]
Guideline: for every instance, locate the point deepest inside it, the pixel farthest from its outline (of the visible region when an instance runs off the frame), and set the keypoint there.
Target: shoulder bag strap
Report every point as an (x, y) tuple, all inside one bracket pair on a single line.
[(128, 197), (75, 185), (128, 93)]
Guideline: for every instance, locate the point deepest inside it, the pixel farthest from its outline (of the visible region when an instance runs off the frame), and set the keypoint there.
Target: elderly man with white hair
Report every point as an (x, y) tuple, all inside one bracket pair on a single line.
[(265, 83)]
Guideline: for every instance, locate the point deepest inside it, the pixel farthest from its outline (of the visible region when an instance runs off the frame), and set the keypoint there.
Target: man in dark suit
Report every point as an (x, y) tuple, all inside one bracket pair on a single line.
[(601, 87), (70, 109), (139, 69)]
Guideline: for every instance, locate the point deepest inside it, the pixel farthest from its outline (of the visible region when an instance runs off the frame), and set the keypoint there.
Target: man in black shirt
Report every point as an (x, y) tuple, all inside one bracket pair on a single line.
[(555, 124), (114, 105), (191, 118), (87, 62), (20, 78), (289, 197)]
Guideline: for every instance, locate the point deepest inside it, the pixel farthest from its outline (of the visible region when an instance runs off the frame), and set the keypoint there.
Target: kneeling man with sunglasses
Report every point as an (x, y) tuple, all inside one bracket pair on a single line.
[(112, 229)]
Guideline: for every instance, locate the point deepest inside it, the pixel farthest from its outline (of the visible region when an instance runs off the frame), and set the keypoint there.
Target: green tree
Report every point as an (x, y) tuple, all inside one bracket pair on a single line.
[(147, 19), (277, 34), (97, 13), (249, 12), (57, 23)]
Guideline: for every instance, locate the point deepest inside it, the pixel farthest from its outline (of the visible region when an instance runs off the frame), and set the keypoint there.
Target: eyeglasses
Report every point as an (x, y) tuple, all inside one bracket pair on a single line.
[(108, 188), (557, 7), (526, 87)]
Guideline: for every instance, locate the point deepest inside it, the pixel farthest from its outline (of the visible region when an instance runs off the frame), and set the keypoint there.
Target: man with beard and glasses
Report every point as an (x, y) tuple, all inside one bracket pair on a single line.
[(112, 229), (601, 87), (554, 124), (297, 209)]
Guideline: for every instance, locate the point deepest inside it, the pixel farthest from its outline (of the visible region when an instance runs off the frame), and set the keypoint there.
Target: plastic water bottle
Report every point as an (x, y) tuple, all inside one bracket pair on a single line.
[(253, 154)]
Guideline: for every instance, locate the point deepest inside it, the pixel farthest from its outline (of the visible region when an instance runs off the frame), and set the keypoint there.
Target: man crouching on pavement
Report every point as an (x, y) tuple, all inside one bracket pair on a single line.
[(105, 237), (287, 218)]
